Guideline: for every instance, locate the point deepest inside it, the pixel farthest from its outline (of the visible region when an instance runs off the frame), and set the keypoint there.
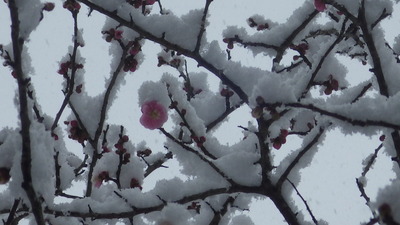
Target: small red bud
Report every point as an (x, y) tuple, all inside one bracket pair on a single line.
[(74, 123), (125, 138), (48, 6), (183, 112), (382, 138), (78, 88), (277, 145)]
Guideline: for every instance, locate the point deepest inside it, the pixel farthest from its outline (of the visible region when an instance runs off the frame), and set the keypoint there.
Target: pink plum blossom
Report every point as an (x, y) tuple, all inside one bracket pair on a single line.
[(319, 5), (154, 115)]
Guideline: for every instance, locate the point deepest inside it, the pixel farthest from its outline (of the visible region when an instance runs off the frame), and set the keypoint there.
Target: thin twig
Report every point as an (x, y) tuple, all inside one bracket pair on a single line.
[(26, 157), (296, 160), (198, 154), (305, 202), (202, 26)]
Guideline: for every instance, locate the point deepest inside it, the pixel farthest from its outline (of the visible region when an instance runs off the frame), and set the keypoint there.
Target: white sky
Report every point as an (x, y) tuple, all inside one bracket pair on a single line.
[(328, 184)]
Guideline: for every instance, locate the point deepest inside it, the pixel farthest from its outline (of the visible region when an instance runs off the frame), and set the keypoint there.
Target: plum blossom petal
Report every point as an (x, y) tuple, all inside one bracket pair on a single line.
[(154, 115), (319, 5)]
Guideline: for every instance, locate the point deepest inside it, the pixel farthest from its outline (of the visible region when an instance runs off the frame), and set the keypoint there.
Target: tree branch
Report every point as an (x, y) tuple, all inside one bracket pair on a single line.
[(296, 160), (160, 40), (26, 157), (202, 26), (305, 202)]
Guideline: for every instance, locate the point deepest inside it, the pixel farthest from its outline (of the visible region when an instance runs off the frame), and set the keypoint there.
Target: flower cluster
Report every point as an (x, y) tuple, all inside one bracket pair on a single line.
[(259, 26), (130, 62), (331, 84), (280, 140), (66, 66), (300, 48), (199, 140), (121, 150), (76, 132), (113, 34), (176, 61), (154, 115)]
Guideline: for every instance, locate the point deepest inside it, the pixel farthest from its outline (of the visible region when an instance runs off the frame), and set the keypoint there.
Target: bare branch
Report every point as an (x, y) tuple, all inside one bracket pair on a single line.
[(296, 160), (305, 202), (202, 26), (26, 158), (191, 54)]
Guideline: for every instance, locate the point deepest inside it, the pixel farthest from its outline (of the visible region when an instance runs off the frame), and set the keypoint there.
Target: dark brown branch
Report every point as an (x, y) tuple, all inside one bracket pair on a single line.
[(395, 54), (138, 211), (59, 191), (305, 202), (342, 9), (360, 186), (160, 40), (396, 142), (383, 15), (282, 205), (296, 160), (224, 115), (288, 41), (362, 93), (26, 157), (13, 211), (292, 66), (363, 194), (218, 215), (246, 44), (157, 164), (371, 161), (77, 170), (322, 60), (70, 81), (202, 26), (103, 113), (369, 40), (265, 157), (354, 122), (198, 154), (182, 114), (373, 221)]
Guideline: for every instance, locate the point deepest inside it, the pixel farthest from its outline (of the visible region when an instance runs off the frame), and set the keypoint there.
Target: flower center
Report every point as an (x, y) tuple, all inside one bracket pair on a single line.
[(154, 114)]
